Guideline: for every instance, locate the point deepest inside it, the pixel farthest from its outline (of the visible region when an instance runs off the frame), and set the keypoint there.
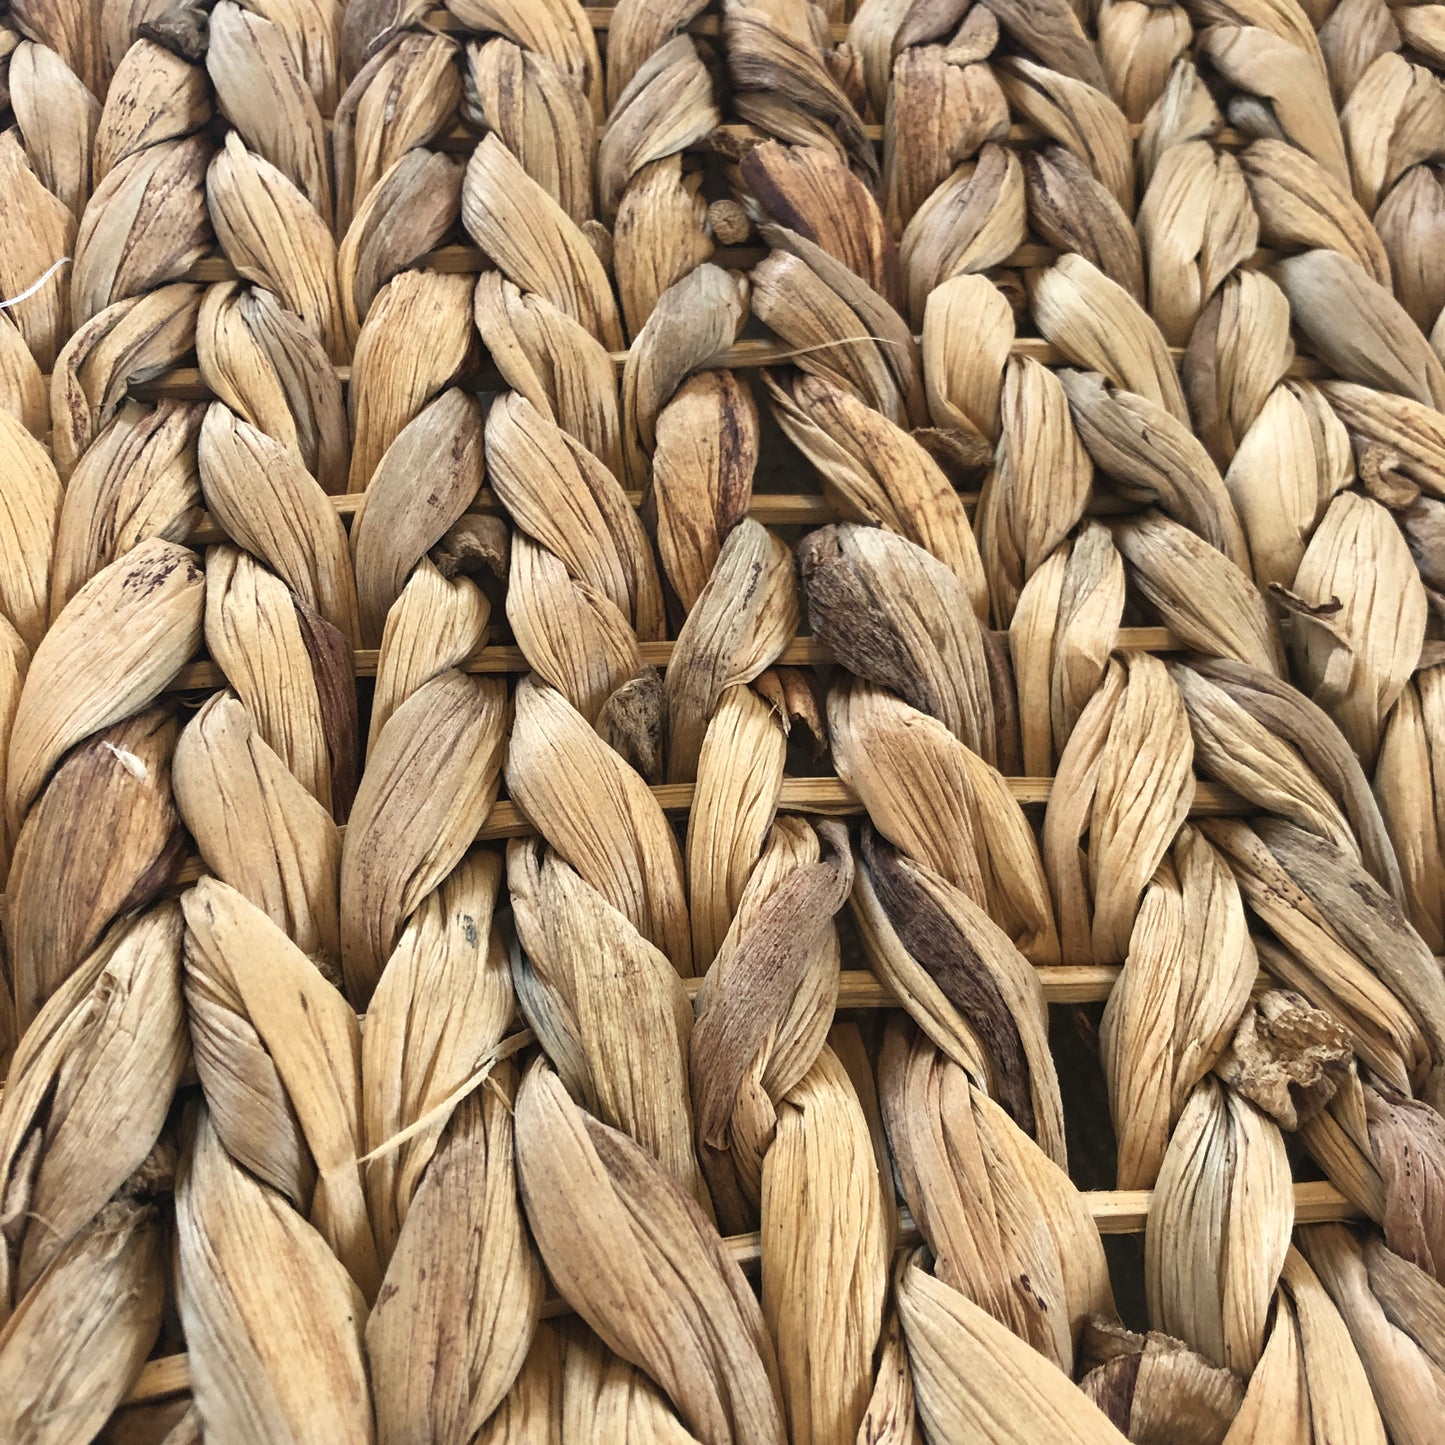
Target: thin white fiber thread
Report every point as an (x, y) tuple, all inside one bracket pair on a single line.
[(30, 290)]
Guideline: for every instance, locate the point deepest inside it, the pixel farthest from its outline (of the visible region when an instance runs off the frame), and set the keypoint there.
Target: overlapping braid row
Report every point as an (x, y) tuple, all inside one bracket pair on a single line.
[(355, 356)]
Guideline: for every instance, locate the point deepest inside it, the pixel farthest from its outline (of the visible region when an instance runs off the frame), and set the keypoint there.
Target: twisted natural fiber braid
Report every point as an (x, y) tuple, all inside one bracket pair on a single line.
[(583, 592), (96, 833)]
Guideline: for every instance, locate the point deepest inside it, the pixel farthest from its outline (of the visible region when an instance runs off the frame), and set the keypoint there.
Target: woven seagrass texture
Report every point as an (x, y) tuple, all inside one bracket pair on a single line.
[(722, 722)]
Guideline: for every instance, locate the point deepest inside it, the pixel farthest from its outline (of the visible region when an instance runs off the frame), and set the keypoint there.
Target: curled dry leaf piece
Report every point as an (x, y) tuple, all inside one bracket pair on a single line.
[(1394, 1313), (268, 503), (1356, 657), (742, 619), (258, 828), (968, 329), (155, 95), (945, 808), (104, 838), (976, 1380), (401, 98), (974, 221), (291, 669), (409, 211), (128, 343), (1358, 328), (416, 339), (460, 1300), (1156, 1389), (1076, 114), (991, 1205), (36, 227), (438, 622), (1391, 120), (702, 476), (57, 116), (1386, 1153), (667, 106), (894, 615), (693, 324), (139, 480), (1238, 749), (1239, 352), (1100, 327), (247, 1261), (1219, 1228), (784, 85), (542, 116), (940, 106), (1411, 432), (607, 1006), (1285, 92), (1310, 1382), (1154, 458), (581, 531), (1286, 1057), (30, 508), (395, 526), (91, 1319), (1285, 713), (1185, 110), (765, 1008), (1409, 223), (1274, 482), (842, 332), (555, 364), (645, 1268), (1412, 750), (429, 784), (1197, 225), (600, 817), (1041, 482), (1125, 781), (1187, 975), (1073, 212), (145, 225), (87, 1094), (556, 29), (1060, 639), (825, 1248), (14, 659), (274, 237), (876, 473), (964, 983), (1200, 595), (271, 369), (261, 91), (1343, 943), (22, 388), (534, 242), (1302, 205), (438, 1012), (114, 648), (662, 230)]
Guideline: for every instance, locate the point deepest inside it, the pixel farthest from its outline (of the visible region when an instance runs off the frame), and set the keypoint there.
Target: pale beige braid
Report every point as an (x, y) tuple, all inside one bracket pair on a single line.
[(554, 456), (95, 628), (779, 1117)]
